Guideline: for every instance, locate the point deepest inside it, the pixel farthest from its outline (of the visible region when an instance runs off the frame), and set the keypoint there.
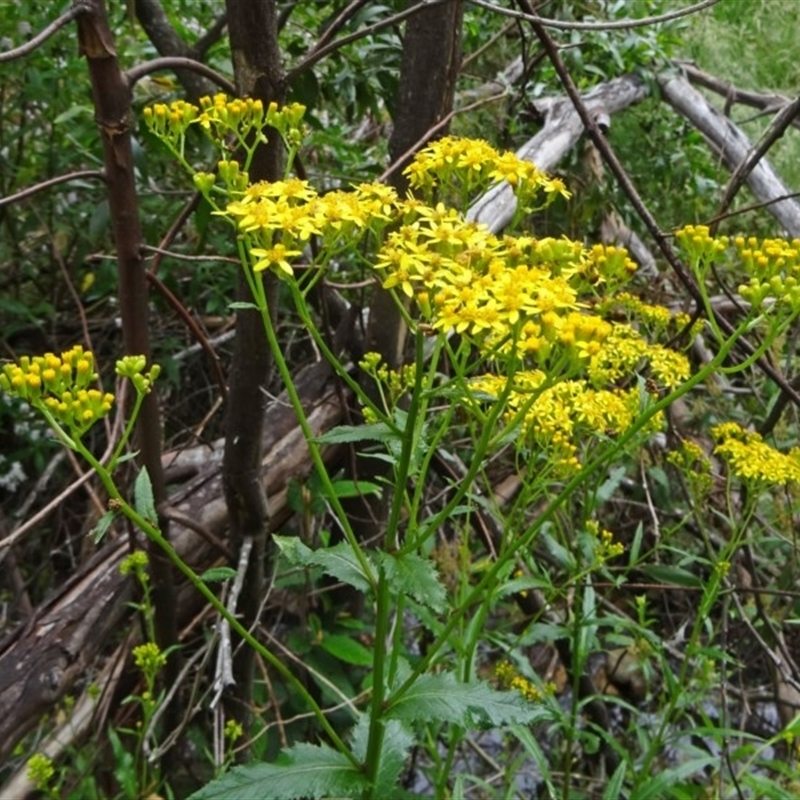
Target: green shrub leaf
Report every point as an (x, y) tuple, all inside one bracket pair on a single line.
[(339, 561), (411, 574), (143, 497), (305, 770), (444, 698), (347, 649)]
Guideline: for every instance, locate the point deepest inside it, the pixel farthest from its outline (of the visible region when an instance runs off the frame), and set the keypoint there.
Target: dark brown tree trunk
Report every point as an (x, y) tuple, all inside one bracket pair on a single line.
[(112, 100), (252, 27)]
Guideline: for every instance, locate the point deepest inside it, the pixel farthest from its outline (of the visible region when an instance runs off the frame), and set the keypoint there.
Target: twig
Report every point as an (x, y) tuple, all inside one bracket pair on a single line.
[(443, 123), (94, 174), (70, 14), (782, 120), (135, 74), (224, 671), (318, 53), (623, 24)]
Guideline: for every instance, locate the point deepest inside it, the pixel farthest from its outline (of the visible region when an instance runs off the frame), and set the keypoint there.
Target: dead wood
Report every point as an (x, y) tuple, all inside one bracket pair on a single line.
[(562, 130), (41, 660), (733, 146)]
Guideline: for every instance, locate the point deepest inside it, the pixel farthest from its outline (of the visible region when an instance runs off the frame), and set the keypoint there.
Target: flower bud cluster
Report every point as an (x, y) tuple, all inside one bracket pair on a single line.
[(60, 385)]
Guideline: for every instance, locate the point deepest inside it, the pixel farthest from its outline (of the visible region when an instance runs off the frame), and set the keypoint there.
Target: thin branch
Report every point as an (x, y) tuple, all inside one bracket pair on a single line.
[(318, 53), (600, 141), (210, 37), (767, 103), (340, 21), (442, 123), (94, 174), (782, 120), (593, 26), (24, 49), (138, 72)]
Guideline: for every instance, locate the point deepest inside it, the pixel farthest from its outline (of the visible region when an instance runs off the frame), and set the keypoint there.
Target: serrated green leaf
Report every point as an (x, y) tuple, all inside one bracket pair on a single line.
[(444, 698), (305, 770), (347, 649), (217, 574), (293, 549), (346, 434), (397, 741), (339, 561), (417, 576), (143, 496)]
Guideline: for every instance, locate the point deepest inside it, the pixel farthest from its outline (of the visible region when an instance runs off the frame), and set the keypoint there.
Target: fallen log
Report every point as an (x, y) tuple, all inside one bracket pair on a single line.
[(41, 660)]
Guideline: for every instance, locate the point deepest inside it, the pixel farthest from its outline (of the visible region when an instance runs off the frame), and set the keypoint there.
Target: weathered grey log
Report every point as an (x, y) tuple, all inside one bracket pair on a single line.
[(41, 660), (561, 131), (733, 146)]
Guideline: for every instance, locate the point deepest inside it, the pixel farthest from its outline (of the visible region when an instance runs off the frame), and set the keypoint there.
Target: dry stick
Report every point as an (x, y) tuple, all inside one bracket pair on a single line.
[(767, 103), (782, 120), (93, 174), (599, 140)]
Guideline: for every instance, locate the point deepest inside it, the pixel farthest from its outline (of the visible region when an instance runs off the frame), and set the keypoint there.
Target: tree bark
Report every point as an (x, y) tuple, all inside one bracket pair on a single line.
[(112, 101), (254, 43)]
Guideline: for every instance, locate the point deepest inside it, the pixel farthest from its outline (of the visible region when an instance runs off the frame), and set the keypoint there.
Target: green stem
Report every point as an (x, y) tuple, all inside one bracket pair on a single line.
[(555, 504), (154, 535), (313, 448)]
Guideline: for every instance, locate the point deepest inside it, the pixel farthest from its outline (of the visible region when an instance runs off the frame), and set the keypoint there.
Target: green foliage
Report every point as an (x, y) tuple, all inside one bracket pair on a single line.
[(539, 356)]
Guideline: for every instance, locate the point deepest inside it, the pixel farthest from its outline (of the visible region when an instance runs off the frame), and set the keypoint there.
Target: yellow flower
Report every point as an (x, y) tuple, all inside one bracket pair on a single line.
[(751, 459), (274, 258)]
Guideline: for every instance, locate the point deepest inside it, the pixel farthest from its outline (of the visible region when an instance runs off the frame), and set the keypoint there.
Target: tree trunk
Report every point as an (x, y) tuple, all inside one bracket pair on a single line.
[(112, 101), (254, 43)]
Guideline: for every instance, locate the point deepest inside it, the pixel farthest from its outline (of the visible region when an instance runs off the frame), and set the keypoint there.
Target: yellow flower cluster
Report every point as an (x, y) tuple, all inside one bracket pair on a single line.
[(609, 265), (605, 547), (397, 382), (774, 269), (658, 320), (510, 678), (565, 417), (470, 165), (701, 247), (40, 771), (149, 658), (280, 217), (59, 384), (695, 466), (751, 459)]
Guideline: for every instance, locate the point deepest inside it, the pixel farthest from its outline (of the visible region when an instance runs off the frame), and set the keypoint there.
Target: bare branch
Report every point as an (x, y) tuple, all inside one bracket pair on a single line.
[(70, 14), (733, 147), (594, 26), (97, 175), (138, 72), (765, 102), (318, 53), (783, 119)]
